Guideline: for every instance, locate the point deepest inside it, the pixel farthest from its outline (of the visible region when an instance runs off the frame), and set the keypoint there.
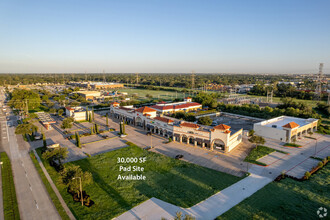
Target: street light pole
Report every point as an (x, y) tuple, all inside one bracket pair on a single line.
[(81, 197)]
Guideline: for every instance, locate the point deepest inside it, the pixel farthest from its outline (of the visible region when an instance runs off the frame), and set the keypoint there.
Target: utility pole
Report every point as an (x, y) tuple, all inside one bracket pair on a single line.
[(319, 81), (192, 80), (137, 78)]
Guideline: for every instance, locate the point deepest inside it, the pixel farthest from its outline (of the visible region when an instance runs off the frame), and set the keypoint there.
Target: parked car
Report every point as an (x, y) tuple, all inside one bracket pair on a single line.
[(148, 133), (179, 156)]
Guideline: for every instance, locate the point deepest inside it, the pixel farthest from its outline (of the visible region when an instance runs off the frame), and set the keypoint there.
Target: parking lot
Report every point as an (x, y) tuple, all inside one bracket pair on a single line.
[(236, 122)]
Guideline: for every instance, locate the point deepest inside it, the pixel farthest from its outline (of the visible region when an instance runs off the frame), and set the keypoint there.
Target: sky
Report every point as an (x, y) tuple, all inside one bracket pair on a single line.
[(168, 36)]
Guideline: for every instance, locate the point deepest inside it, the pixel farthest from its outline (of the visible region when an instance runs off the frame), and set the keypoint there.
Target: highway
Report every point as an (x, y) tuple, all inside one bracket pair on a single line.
[(33, 199)]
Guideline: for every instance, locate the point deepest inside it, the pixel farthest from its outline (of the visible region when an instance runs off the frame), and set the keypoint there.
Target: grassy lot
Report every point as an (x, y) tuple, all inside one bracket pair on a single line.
[(178, 182), (259, 152), (41, 108), (50, 190), (278, 100), (10, 206), (166, 95), (287, 199), (291, 145)]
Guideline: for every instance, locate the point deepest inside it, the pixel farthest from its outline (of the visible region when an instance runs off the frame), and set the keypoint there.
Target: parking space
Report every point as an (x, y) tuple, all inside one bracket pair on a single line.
[(299, 170)]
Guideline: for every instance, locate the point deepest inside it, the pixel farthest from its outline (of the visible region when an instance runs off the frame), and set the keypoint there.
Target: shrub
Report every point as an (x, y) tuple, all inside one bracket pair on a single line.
[(307, 175), (320, 164), (170, 140)]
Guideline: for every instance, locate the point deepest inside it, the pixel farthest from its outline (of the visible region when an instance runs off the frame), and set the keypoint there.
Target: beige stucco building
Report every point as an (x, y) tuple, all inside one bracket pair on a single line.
[(285, 128), (218, 138), (77, 113)]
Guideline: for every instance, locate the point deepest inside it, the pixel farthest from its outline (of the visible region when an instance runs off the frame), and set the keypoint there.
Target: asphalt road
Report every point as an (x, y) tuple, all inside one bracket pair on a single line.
[(33, 199)]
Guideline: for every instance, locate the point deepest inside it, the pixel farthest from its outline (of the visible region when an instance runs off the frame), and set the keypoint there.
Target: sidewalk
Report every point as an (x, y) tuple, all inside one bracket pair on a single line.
[(210, 208), (66, 208)]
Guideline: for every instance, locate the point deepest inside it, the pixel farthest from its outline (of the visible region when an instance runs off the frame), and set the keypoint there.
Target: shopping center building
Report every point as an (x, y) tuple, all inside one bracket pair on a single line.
[(219, 138), (285, 128)]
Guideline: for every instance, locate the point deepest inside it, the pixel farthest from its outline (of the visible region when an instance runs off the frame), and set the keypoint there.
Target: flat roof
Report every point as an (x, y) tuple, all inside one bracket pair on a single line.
[(45, 118), (88, 92), (279, 122)]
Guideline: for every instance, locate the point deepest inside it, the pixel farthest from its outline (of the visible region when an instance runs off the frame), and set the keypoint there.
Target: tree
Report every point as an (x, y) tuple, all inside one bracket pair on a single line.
[(92, 130), (67, 123), (87, 114), (56, 154), (72, 171), (107, 119), (92, 113), (251, 132), (258, 140), (52, 110), (90, 118), (60, 112), (78, 143), (44, 141), (206, 120), (23, 99), (96, 128), (26, 128)]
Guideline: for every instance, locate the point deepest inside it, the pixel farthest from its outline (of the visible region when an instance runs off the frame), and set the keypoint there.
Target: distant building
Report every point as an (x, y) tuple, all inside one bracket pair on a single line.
[(89, 94), (285, 128), (97, 85), (186, 106), (218, 138), (77, 113)]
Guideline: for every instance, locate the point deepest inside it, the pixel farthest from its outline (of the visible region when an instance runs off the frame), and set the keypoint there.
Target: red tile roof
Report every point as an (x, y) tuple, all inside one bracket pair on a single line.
[(166, 120), (190, 125), (145, 109), (222, 127), (69, 108), (291, 125), (180, 106), (115, 103), (187, 105)]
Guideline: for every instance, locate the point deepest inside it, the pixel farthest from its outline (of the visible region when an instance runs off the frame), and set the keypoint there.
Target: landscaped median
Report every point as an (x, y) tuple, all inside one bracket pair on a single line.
[(292, 145), (10, 206), (259, 152), (174, 181), (50, 190)]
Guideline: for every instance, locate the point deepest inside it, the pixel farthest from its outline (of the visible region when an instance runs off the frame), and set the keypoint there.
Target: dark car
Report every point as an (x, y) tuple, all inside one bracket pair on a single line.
[(179, 156), (148, 133)]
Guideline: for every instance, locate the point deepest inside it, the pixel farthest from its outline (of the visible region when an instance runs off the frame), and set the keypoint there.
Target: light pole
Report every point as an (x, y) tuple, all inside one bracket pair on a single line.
[(81, 197)]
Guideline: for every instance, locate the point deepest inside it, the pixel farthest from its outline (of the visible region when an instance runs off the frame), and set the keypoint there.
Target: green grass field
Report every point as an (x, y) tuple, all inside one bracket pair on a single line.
[(178, 182), (50, 190), (166, 95), (259, 152), (287, 199), (10, 205), (311, 103)]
